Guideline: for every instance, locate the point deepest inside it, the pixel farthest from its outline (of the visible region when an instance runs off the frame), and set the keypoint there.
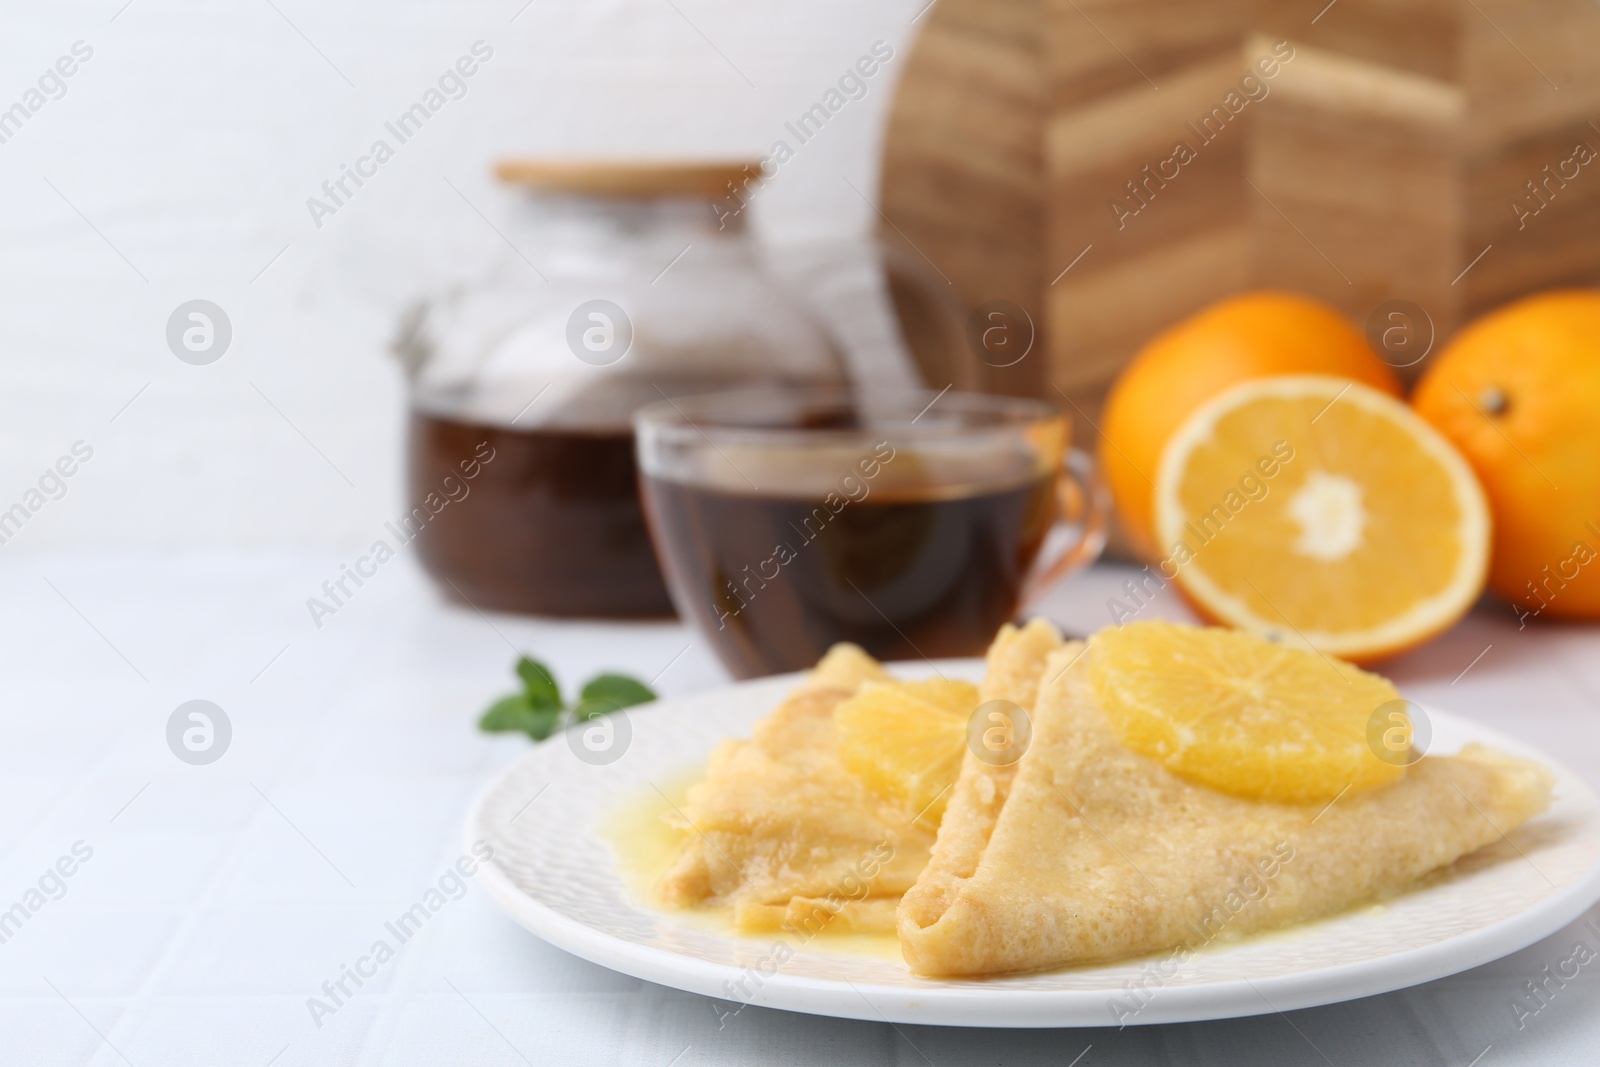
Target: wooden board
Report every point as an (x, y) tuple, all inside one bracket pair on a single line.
[(1381, 158)]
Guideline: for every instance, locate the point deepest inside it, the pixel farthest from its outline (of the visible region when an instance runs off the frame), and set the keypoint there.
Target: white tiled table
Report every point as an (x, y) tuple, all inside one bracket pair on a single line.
[(219, 898)]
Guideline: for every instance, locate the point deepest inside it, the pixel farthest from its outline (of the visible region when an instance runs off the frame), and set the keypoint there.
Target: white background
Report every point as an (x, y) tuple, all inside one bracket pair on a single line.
[(191, 141)]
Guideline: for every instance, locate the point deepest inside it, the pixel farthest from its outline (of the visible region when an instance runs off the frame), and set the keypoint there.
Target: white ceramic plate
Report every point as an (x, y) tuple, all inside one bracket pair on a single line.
[(554, 872)]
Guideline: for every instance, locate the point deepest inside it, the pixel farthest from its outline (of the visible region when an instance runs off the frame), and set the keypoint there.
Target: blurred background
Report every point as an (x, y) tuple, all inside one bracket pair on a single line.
[(1376, 163), (177, 164)]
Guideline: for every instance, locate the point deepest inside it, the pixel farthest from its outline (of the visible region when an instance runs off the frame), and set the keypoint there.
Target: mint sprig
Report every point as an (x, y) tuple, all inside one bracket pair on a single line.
[(539, 710)]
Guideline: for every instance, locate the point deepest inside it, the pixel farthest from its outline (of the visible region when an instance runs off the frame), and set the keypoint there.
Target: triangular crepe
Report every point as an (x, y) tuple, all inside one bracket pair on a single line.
[(780, 830), (1086, 851), (778, 817)]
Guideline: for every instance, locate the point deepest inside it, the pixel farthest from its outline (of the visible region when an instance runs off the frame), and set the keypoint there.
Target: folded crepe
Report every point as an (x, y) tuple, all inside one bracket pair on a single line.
[(783, 833), (1086, 851), (778, 818)]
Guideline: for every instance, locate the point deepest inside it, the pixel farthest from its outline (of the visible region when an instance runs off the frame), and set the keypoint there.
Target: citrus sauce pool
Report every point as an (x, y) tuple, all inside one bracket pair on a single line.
[(645, 844)]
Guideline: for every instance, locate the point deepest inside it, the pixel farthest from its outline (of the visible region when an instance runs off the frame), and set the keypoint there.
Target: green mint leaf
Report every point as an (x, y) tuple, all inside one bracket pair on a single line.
[(543, 722), (507, 713), (618, 690), (517, 713), (538, 683)]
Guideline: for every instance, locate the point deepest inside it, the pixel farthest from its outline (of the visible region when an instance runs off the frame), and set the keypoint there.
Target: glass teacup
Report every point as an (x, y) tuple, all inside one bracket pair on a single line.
[(911, 523)]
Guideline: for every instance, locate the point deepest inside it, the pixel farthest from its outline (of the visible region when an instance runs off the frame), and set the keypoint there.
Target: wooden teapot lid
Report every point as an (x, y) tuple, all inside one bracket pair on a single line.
[(639, 179)]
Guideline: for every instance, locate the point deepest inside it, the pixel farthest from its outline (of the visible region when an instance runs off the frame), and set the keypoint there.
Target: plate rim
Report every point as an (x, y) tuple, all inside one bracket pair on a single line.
[(978, 1006)]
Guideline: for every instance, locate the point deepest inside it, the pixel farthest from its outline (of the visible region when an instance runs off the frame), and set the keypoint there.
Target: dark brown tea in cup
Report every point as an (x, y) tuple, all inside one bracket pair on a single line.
[(776, 578), (910, 523)]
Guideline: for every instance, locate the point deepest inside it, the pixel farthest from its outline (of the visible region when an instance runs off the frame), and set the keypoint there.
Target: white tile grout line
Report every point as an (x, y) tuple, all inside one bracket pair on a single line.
[(45, 824), (404, 981), (95, 772), (137, 1006)]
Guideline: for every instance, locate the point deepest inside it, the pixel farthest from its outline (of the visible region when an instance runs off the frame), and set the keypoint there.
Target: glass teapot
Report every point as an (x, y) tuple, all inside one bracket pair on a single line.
[(626, 283)]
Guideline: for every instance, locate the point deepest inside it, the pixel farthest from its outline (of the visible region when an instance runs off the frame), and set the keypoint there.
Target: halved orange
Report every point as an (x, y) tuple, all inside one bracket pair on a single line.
[(1317, 511), (1247, 335)]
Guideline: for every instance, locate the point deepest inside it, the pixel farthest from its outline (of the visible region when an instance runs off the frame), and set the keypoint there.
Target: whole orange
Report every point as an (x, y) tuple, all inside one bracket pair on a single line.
[(1248, 335), (1518, 392)]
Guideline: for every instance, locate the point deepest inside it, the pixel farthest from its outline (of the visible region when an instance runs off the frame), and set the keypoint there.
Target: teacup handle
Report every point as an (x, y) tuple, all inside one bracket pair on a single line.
[(1085, 503)]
